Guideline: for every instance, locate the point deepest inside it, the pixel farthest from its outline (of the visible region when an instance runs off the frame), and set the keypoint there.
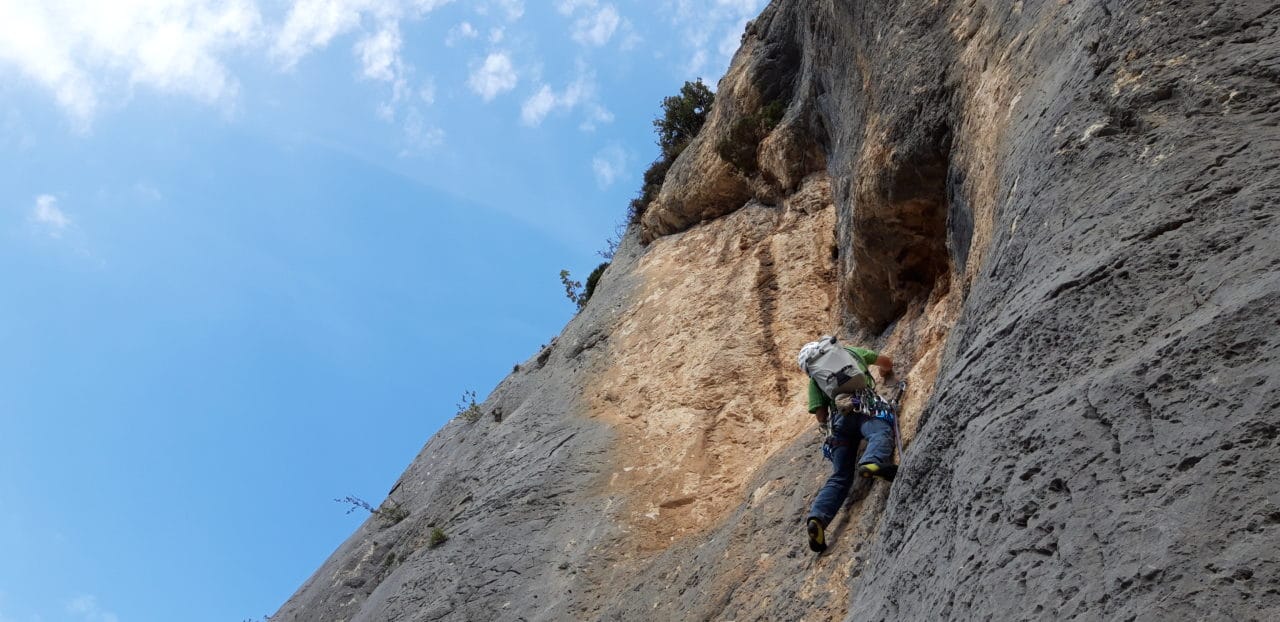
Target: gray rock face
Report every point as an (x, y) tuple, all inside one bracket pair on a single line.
[(516, 499), (1061, 216), (1101, 440)]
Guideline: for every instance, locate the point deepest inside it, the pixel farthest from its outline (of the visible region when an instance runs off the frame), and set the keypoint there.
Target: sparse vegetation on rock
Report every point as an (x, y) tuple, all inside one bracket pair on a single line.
[(683, 115), (437, 537), (1059, 218), (572, 288), (593, 279), (390, 512), (740, 146), (468, 410), (575, 291)]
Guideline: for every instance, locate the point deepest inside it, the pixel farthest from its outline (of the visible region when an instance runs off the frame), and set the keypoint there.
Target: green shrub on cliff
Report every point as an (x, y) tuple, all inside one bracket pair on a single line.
[(438, 537), (592, 280), (389, 513), (740, 146), (682, 117), (575, 291), (468, 409)]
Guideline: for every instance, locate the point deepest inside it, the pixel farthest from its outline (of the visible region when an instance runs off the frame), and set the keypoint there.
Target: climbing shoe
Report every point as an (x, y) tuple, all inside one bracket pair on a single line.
[(817, 536), (885, 472)]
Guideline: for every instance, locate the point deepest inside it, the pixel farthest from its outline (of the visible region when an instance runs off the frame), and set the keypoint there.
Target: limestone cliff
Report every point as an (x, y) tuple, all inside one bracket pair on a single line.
[(1059, 217)]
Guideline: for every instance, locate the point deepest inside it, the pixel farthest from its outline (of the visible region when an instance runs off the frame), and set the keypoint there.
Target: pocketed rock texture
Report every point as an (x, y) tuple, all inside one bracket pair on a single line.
[(1060, 218)]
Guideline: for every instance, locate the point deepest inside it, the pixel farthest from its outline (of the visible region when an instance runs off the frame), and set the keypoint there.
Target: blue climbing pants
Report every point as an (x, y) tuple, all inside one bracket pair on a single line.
[(846, 433)]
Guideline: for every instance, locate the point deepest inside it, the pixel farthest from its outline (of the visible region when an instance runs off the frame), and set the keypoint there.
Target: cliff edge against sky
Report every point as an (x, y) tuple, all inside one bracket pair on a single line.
[(1059, 218)]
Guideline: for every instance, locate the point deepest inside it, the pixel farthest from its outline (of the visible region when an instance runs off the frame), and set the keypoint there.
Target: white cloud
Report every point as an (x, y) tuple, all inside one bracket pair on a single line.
[(87, 54), (427, 92), (568, 7), (598, 22), (710, 30), (495, 76), (459, 32), (513, 9), (537, 107), (630, 38), (496, 35), (581, 92), (48, 217), (597, 115), (697, 63), (77, 50), (87, 608), (598, 27), (419, 135), (312, 24), (380, 53), (609, 165)]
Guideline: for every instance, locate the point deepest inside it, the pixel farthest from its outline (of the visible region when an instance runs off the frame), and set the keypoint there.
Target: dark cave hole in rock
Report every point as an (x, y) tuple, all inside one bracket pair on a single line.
[(911, 226)]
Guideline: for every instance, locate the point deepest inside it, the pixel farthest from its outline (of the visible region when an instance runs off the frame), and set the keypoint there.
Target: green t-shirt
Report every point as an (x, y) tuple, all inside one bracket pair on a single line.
[(818, 399)]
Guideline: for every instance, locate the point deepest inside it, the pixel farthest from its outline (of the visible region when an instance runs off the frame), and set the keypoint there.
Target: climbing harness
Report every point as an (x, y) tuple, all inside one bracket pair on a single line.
[(830, 445), (869, 403)]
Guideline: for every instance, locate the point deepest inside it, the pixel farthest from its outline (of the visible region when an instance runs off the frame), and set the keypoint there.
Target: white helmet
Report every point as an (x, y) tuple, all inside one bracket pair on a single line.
[(807, 353)]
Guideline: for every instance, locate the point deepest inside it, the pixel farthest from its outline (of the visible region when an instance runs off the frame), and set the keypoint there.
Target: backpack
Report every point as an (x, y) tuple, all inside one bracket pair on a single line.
[(834, 368)]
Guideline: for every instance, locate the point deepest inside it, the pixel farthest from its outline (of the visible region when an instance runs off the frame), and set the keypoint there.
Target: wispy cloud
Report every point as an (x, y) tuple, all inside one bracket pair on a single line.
[(609, 165), (598, 27), (511, 9), (46, 215), (77, 50), (579, 93), (710, 29), (88, 53), (567, 7), (86, 607), (538, 106), (427, 92), (459, 32), (313, 24), (148, 191), (420, 135), (494, 76), (595, 23), (380, 53)]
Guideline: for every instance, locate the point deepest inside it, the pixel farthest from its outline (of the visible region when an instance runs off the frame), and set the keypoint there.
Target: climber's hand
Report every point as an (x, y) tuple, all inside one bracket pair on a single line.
[(823, 430)]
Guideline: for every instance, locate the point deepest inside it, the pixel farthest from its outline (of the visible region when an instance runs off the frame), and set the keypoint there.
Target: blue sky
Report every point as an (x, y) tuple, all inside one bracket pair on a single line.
[(253, 251)]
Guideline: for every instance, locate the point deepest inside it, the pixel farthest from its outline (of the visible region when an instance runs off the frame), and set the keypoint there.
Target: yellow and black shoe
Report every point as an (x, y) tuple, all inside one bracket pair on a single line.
[(885, 472), (817, 536)]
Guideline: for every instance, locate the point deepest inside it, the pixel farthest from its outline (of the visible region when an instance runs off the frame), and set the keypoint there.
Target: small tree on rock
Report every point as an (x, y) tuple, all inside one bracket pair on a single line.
[(682, 117)]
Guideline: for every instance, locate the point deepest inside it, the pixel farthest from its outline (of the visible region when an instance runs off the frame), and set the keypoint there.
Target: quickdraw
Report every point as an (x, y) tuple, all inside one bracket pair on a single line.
[(869, 403)]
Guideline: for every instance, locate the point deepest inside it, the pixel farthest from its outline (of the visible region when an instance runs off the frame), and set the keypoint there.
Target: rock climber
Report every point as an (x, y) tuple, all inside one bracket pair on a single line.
[(836, 374)]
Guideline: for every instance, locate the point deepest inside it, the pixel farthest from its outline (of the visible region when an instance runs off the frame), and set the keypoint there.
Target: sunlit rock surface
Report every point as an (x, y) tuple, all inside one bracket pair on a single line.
[(1060, 218)]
